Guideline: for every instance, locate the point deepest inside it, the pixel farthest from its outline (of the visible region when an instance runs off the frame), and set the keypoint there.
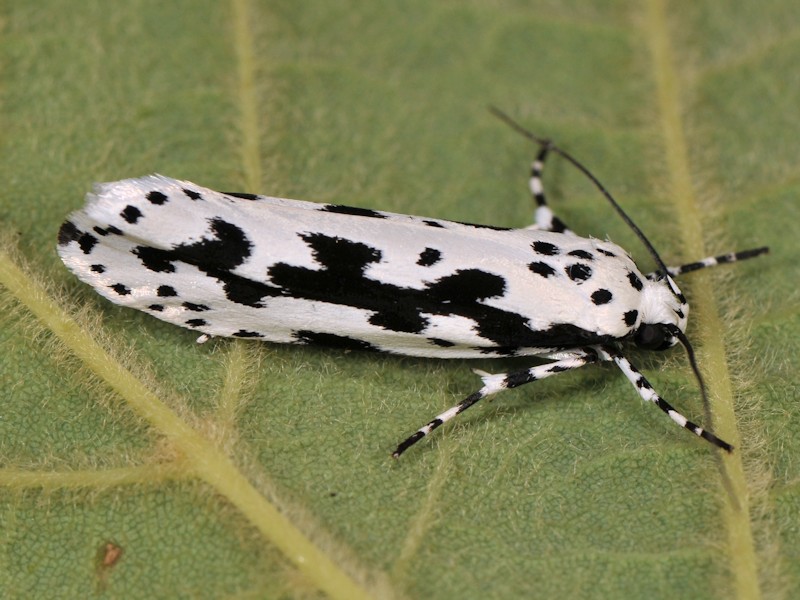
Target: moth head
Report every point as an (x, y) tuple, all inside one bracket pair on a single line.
[(663, 313)]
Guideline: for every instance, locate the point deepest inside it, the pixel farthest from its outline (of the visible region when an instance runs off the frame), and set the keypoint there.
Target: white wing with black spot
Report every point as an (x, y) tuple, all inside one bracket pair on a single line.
[(299, 272)]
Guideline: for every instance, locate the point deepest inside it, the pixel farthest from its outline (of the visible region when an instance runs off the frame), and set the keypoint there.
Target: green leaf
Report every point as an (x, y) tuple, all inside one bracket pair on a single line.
[(138, 464)]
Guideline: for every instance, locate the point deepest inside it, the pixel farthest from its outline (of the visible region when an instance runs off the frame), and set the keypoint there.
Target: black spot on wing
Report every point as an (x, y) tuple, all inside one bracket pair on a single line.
[(468, 285), (636, 283), (497, 350), (430, 223), (192, 194), (166, 291), (156, 197), (601, 297), (336, 255), (409, 321), (244, 291), (69, 232), (582, 254), (429, 257), (156, 307), (630, 317), (512, 332), (479, 226), (352, 210), (545, 248), (542, 269), (332, 340), (242, 195), (121, 289), (579, 272), (441, 343), (100, 231), (195, 307), (243, 333), (340, 279), (98, 268), (114, 230), (131, 214), (606, 252), (226, 249), (196, 322), (155, 259), (344, 256), (217, 255), (463, 288)]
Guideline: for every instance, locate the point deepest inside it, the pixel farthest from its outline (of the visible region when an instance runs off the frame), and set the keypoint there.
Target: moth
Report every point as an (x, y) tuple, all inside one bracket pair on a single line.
[(291, 271)]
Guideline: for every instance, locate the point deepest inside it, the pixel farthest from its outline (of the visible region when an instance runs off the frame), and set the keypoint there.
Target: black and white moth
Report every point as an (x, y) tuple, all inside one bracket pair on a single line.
[(290, 271)]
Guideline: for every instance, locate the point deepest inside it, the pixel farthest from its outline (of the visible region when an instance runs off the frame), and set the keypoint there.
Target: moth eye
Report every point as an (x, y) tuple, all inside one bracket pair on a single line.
[(653, 337)]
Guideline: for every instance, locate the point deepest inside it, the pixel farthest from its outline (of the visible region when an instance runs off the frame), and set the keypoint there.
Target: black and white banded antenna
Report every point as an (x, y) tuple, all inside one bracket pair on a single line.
[(663, 270)]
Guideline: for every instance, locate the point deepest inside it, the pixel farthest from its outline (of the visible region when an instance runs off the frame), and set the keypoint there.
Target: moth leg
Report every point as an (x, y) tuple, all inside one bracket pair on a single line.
[(497, 383), (544, 218), (713, 261), (648, 394)]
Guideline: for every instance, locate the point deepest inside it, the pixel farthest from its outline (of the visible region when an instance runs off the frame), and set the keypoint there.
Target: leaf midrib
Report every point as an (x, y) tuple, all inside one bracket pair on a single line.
[(199, 454), (734, 503)]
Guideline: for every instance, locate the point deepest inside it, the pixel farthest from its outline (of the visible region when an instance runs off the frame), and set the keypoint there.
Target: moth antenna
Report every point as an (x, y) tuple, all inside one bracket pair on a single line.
[(662, 268), (713, 261), (692, 361)]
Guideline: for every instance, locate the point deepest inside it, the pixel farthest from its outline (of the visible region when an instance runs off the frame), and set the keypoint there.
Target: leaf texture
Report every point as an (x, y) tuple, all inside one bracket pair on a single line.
[(252, 470)]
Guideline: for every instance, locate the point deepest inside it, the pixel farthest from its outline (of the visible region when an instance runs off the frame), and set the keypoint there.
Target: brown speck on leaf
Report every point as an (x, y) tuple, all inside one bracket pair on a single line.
[(110, 554)]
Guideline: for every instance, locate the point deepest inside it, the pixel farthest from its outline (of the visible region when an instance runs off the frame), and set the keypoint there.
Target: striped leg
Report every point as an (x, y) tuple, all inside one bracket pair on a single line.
[(497, 383), (648, 394), (713, 261), (544, 217)]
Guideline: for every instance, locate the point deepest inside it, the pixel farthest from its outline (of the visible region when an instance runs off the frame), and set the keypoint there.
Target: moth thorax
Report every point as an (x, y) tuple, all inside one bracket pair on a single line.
[(663, 304)]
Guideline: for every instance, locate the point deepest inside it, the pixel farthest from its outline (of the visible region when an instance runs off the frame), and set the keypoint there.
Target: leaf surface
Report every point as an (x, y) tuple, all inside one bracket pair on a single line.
[(254, 470)]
